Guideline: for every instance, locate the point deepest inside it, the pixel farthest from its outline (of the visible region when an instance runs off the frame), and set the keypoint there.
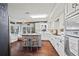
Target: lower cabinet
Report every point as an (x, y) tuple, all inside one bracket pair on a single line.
[(74, 45), (58, 43)]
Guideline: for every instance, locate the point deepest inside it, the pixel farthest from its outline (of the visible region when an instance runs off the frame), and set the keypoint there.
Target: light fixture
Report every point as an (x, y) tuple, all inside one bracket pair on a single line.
[(27, 12), (39, 16)]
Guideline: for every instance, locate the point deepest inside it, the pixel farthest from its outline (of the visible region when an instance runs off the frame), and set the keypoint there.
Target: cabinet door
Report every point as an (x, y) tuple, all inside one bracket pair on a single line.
[(61, 50), (71, 8), (77, 7), (73, 45)]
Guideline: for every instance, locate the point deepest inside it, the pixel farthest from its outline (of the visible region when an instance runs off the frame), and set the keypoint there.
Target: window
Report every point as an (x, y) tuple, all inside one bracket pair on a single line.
[(24, 30), (12, 30)]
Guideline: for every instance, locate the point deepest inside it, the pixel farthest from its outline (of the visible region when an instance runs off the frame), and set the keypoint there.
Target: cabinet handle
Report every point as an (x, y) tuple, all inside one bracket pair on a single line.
[(57, 44), (75, 33), (60, 41), (74, 5)]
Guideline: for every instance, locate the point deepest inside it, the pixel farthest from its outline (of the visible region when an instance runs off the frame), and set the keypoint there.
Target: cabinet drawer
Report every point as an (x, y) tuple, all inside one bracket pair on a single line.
[(74, 33), (73, 45)]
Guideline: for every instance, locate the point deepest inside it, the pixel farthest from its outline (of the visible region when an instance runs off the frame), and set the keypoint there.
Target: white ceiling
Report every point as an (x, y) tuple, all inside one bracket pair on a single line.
[(18, 10)]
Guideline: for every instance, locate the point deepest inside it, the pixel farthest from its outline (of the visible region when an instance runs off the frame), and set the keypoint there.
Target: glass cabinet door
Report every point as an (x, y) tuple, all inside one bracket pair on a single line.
[(17, 29), (24, 30), (12, 30), (28, 28)]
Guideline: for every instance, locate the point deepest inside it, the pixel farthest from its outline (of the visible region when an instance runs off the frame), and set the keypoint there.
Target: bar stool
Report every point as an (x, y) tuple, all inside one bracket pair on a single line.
[(30, 43), (35, 42), (25, 42)]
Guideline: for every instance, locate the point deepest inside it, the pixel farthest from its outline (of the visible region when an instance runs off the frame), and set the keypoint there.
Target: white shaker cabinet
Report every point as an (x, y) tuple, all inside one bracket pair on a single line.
[(71, 8), (58, 43), (73, 45), (77, 6), (72, 28)]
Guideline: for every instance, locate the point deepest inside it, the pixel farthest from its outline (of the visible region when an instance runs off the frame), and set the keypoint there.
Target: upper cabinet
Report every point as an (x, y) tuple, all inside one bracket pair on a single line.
[(72, 15), (56, 22), (71, 7), (28, 28), (77, 7)]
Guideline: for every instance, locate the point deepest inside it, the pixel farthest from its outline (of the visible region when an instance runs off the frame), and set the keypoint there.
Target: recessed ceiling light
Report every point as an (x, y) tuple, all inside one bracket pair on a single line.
[(39, 16)]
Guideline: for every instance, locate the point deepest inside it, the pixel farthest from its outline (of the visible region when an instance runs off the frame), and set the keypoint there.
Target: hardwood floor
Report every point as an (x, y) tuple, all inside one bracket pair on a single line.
[(46, 50)]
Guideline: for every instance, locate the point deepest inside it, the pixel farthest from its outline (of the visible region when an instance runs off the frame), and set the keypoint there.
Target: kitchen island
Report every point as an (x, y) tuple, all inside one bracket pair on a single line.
[(32, 40)]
